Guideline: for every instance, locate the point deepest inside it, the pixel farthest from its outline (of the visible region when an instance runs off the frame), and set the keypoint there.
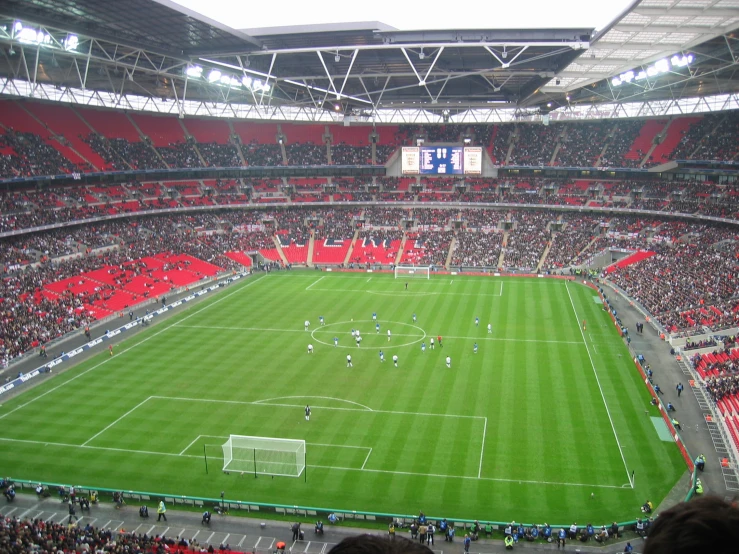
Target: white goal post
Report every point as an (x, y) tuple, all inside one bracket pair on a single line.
[(411, 271), (264, 455)]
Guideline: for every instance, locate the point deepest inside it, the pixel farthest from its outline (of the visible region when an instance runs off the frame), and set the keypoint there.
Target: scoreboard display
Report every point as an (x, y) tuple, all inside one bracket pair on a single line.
[(441, 160)]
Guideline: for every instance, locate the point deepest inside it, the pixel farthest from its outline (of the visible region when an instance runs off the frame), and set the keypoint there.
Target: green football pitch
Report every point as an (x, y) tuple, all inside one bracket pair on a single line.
[(528, 428)]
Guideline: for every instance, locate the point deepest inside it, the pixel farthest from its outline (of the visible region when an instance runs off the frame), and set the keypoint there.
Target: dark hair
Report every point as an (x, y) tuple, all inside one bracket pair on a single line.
[(705, 524), (377, 544)]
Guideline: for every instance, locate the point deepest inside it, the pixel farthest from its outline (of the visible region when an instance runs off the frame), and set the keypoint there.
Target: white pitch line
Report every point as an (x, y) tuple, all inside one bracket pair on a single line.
[(320, 397), (263, 329), (244, 402), (367, 458), (368, 280), (482, 450), (106, 360), (189, 445), (410, 473), (468, 477), (597, 380), (116, 421), (314, 283)]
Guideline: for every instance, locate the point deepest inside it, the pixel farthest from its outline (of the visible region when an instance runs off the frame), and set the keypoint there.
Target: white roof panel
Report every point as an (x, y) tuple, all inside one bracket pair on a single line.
[(652, 30)]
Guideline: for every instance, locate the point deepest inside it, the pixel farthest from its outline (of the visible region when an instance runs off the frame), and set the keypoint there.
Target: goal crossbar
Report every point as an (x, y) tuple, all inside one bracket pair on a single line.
[(264, 455), (410, 271)]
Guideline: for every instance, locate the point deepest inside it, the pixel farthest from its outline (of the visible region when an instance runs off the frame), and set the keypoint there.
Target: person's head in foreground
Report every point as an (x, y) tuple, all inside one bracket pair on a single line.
[(376, 544), (704, 524)]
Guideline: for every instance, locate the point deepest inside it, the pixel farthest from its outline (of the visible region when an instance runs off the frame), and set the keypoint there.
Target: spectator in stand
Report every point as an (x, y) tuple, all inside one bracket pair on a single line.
[(347, 154), (477, 249), (306, 153)]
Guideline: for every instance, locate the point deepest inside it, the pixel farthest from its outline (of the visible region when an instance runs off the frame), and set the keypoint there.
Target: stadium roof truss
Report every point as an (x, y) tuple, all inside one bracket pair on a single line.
[(155, 55), (650, 31)]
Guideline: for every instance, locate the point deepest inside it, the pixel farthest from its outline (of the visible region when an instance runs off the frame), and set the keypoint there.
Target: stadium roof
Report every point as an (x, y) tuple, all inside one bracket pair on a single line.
[(159, 49)]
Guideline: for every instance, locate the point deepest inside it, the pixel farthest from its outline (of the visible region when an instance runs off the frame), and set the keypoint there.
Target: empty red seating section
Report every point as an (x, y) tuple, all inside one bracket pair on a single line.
[(296, 254), (110, 124), (643, 142), (162, 130), (270, 254), (63, 121), (330, 251), (303, 133), (239, 257), (629, 260), (675, 133), (13, 115), (208, 130), (354, 136), (369, 251), (111, 289), (256, 132)]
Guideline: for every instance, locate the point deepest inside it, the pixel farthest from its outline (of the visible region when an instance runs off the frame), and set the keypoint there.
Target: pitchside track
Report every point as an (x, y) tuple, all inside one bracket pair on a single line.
[(528, 428)]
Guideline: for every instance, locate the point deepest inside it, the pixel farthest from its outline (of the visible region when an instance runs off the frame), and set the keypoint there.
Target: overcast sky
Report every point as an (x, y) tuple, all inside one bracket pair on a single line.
[(416, 15)]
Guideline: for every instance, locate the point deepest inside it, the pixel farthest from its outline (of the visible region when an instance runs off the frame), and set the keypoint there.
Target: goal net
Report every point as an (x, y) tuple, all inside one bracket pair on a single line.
[(412, 271), (264, 455)]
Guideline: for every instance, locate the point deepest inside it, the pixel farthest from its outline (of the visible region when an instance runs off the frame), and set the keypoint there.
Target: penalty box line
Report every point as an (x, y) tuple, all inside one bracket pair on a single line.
[(380, 471), (368, 448), (363, 409)]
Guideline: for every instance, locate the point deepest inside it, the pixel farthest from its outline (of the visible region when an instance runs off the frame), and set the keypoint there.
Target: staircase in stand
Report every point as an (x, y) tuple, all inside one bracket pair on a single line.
[(545, 254), (311, 242), (399, 255), (452, 246), (351, 247), (504, 245), (278, 246), (236, 143)]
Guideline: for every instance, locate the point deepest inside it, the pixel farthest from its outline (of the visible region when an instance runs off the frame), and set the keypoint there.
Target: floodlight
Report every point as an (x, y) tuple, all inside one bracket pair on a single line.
[(71, 42), (504, 54), (17, 26), (194, 71), (337, 58), (662, 65), (421, 55), (337, 107), (246, 81), (225, 79), (214, 75), (549, 104), (247, 63)]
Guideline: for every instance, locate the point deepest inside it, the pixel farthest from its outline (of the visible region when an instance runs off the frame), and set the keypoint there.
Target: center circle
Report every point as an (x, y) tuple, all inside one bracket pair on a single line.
[(402, 334)]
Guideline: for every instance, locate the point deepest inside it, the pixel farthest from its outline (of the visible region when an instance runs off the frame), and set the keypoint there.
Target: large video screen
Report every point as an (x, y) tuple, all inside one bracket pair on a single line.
[(441, 160)]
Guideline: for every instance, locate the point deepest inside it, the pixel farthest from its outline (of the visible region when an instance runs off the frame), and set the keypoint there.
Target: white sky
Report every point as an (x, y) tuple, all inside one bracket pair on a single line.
[(415, 15)]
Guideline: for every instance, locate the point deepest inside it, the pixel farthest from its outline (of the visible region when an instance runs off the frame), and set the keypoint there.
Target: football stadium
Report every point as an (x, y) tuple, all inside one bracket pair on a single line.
[(288, 280)]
